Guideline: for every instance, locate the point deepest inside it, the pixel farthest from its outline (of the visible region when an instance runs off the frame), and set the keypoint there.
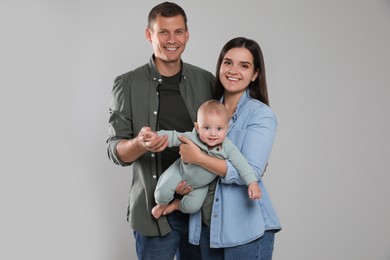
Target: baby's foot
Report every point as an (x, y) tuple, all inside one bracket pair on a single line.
[(158, 210)]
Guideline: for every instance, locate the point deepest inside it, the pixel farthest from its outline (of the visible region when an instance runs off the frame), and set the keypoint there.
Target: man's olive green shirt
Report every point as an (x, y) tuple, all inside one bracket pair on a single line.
[(134, 104)]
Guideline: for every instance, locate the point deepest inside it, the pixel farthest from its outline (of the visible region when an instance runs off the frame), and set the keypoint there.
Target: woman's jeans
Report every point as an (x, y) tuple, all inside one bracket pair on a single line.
[(166, 247), (259, 249)]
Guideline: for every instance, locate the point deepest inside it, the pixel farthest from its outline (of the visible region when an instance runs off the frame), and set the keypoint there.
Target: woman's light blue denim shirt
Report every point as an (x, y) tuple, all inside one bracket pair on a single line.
[(236, 219)]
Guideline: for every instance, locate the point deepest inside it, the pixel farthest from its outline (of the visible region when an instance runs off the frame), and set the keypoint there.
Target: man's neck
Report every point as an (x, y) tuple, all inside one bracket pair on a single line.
[(167, 68)]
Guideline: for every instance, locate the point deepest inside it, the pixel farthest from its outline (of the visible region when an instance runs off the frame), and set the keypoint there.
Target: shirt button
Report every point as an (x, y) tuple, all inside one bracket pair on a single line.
[(154, 176), (155, 112), (159, 80), (216, 199), (152, 155), (215, 216)]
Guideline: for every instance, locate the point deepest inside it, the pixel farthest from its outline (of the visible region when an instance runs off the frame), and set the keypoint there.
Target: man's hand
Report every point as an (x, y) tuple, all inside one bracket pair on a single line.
[(151, 140), (183, 189)]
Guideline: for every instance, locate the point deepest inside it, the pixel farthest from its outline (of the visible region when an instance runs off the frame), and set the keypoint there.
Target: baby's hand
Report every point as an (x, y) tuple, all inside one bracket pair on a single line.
[(151, 140), (254, 191), (148, 135)]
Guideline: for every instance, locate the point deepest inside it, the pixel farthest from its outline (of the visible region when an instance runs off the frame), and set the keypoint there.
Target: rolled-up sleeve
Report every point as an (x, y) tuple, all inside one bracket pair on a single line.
[(120, 120)]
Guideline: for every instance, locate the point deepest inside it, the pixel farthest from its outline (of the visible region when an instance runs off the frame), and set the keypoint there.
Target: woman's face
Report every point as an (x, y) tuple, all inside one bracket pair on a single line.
[(237, 70)]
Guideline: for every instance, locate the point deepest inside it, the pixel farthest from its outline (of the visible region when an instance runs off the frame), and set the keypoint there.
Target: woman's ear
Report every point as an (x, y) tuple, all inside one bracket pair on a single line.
[(255, 75)]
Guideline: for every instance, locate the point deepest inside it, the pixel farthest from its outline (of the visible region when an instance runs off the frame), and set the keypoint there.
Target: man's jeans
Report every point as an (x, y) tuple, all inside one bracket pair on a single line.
[(166, 247)]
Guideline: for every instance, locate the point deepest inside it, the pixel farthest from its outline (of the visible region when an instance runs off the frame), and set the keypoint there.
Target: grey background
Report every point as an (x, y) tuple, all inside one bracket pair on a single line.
[(328, 75)]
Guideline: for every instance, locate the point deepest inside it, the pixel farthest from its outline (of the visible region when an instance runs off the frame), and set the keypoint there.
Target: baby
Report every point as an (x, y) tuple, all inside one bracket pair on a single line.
[(209, 134)]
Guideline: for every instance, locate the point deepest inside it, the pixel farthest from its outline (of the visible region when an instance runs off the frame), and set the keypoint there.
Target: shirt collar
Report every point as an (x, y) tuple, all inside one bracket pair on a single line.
[(244, 97), (155, 74)]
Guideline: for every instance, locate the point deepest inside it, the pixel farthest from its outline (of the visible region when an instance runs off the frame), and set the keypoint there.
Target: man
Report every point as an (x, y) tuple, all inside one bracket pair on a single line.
[(163, 94)]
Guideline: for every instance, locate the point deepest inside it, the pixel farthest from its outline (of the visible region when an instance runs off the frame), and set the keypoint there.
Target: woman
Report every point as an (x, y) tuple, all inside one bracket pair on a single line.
[(229, 220)]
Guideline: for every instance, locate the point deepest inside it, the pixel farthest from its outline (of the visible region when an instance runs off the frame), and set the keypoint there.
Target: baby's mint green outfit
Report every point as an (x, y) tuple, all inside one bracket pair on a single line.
[(195, 176)]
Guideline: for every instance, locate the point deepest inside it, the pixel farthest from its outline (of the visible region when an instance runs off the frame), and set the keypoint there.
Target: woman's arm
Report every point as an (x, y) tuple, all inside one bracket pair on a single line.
[(255, 140), (190, 153)]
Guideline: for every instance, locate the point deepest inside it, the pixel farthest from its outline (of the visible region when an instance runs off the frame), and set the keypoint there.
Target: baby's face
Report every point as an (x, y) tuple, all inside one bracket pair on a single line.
[(212, 129)]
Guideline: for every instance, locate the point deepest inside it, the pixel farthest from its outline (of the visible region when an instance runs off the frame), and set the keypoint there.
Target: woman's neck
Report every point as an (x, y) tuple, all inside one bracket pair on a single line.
[(231, 101)]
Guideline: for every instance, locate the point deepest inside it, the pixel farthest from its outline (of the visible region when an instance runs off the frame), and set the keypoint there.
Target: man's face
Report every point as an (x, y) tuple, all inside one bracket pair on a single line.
[(168, 37)]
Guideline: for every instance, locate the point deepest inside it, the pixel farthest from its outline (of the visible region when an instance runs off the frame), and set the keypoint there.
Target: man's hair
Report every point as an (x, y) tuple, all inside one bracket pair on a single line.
[(166, 9), (213, 106)]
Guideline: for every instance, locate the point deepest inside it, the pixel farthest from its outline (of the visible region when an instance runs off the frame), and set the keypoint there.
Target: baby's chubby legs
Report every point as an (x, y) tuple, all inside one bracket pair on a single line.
[(165, 190)]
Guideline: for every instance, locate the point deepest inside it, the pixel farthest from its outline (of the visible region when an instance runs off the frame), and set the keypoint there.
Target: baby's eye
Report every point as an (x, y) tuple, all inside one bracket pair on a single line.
[(220, 128)]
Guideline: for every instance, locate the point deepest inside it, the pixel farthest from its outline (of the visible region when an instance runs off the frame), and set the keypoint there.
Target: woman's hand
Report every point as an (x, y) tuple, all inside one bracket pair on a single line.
[(189, 152)]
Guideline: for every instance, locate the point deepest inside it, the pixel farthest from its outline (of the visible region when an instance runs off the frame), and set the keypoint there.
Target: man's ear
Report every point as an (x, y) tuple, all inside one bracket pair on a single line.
[(187, 35), (148, 35)]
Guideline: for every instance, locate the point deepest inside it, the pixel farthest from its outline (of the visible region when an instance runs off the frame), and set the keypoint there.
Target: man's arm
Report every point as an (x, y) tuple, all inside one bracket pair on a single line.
[(130, 150)]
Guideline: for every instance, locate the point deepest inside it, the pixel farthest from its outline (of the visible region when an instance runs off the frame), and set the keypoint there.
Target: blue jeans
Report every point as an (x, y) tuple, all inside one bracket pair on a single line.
[(207, 252), (260, 249), (166, 247)]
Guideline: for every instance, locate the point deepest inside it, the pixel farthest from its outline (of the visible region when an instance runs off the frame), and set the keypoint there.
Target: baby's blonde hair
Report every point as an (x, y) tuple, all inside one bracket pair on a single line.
[(213, 106)]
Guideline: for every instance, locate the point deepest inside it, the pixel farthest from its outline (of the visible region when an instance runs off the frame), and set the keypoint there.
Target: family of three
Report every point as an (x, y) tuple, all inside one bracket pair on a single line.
[(198, 146)]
